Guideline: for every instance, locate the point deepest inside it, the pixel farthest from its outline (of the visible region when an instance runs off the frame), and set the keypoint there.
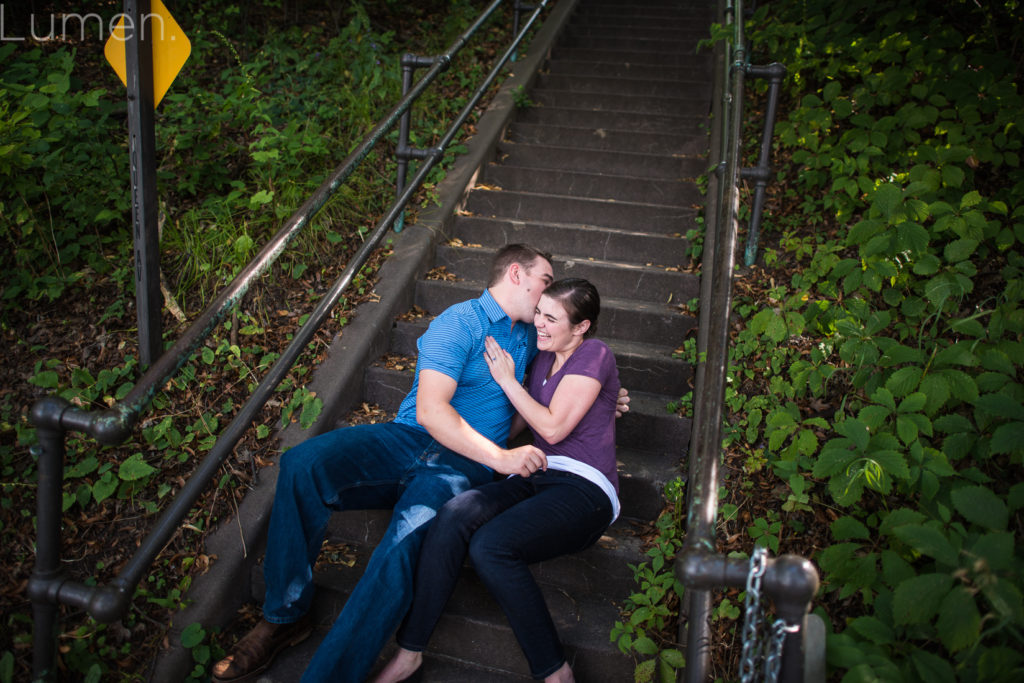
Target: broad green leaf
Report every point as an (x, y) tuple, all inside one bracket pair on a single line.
[(1005, 598), (960, 353), (135, 468), (1000, 405), (645, 646), (849, 527), (928, 541), (891, 462), (911, 237), (900, 517), (981, 506), (872, 629), (47, 379), (192, 635), (884, 397), (913, 403), (904, 381), (917, 600), (856, 431), (959, 250), (1008, 438), (936, 389), (104, 487), (887, 198), (996, 549), (932, 668)]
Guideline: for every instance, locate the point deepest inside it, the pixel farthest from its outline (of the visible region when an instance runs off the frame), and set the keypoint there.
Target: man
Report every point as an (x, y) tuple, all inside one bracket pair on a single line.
[(449, 436)]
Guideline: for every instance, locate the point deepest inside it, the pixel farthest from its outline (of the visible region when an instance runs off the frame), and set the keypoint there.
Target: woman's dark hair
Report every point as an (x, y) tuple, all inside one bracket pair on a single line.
[(580, 299)]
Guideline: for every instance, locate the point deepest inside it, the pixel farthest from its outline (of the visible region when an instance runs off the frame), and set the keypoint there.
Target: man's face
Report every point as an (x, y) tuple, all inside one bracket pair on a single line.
[(536, 278)]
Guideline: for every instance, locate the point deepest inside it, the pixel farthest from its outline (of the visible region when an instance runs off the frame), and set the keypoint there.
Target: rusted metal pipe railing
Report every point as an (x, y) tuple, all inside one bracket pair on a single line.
[(789, 581)]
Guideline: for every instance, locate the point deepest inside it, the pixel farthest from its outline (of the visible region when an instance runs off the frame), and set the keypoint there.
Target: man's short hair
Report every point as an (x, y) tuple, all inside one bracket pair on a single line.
[(523, 254)]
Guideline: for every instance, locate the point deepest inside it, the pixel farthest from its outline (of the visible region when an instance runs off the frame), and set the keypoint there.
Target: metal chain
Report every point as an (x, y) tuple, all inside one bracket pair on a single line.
[(752, 616), (773, 658), (753, 649)]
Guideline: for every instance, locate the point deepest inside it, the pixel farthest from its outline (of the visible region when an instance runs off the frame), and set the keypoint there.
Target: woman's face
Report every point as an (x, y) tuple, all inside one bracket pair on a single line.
[(555, 332)]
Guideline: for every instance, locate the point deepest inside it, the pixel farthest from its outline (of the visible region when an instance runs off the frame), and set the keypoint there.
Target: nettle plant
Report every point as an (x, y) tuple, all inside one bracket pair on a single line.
[(901, 145)]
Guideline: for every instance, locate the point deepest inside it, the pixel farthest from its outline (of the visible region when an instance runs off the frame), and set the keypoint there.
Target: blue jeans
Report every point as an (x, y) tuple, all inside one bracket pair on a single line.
[(505, 526), (363, 467)]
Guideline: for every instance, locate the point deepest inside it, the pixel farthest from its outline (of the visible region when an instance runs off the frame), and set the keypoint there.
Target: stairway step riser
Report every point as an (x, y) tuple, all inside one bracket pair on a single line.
[(597, 161), (594, 186), (639, 105), (681, 76), (637, 86), (653, 285), (696, 125), (586, 54), (665, 220), (626, 246), (608, 140)]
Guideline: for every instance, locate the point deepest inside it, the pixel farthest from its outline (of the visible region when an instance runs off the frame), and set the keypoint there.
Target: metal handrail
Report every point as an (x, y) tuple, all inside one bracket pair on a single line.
[(790, 581), (54, 416)]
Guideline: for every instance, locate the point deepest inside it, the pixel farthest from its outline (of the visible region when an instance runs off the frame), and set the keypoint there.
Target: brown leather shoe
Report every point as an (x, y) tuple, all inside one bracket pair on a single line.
[(253, 654)]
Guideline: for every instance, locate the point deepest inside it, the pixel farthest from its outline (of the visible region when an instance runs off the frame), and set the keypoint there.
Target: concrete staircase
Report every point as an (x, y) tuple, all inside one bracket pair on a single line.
[(599, 171)]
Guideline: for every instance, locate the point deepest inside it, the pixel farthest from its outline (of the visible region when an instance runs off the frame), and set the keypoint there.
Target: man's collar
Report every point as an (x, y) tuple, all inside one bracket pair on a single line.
[(491, 308)]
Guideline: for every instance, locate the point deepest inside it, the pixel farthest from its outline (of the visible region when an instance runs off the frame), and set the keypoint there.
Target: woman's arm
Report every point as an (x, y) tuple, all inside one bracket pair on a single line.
[(573, 397)]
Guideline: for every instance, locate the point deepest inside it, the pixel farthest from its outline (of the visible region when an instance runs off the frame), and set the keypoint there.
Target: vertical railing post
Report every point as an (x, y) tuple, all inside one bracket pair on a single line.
[(404, 153), (142, 149), (50, 451), (761, 173), (518, 9)]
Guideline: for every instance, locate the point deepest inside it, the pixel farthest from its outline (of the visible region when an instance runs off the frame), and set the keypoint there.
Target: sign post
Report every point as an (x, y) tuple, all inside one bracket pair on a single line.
[(146, 49)]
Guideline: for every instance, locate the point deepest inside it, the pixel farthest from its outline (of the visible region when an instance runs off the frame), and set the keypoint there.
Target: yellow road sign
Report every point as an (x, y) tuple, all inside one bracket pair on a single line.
[(171, 48)]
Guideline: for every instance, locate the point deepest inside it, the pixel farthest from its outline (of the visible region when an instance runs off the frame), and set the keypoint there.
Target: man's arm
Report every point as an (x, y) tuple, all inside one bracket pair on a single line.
[(435, 413)]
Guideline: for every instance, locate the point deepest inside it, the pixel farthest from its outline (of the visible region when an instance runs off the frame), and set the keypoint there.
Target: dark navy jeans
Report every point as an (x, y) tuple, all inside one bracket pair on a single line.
[(505, 526), (364, 467)]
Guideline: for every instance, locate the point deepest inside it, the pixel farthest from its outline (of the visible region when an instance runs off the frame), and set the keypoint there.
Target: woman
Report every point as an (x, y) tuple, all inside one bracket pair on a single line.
[(569, 405)]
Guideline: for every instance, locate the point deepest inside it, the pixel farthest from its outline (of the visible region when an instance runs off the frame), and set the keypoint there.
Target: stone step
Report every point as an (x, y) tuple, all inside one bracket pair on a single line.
[(593, 185), (628, 86), (599, 161), (653, 218), (679, 106), (682, 76), (605, 139), (696, 60), (610, 41), (641, 123), (625, 246), (613, 280)]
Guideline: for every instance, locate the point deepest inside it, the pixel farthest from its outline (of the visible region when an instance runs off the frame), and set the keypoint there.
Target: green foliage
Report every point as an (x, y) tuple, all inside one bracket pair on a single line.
[(645, 631), (55, 160), (888, 353)]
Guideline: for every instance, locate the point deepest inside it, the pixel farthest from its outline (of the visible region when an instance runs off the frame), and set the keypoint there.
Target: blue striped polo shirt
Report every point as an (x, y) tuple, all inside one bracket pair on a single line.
[(454, 345)]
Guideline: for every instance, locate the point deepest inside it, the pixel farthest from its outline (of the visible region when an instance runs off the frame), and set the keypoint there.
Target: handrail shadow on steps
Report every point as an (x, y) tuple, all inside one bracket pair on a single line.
[(54, 417), (790, 581)]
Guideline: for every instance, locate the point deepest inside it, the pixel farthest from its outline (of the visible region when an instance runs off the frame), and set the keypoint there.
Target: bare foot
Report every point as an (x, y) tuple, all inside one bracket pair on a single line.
[(563, 675), (402, 665)]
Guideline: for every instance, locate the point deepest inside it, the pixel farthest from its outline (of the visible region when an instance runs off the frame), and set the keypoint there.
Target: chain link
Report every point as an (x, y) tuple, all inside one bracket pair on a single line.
[(752, 616), (756, 652)]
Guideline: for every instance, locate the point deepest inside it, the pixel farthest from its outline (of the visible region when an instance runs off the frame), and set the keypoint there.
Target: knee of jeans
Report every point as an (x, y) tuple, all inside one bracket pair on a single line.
[(487, 549)]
